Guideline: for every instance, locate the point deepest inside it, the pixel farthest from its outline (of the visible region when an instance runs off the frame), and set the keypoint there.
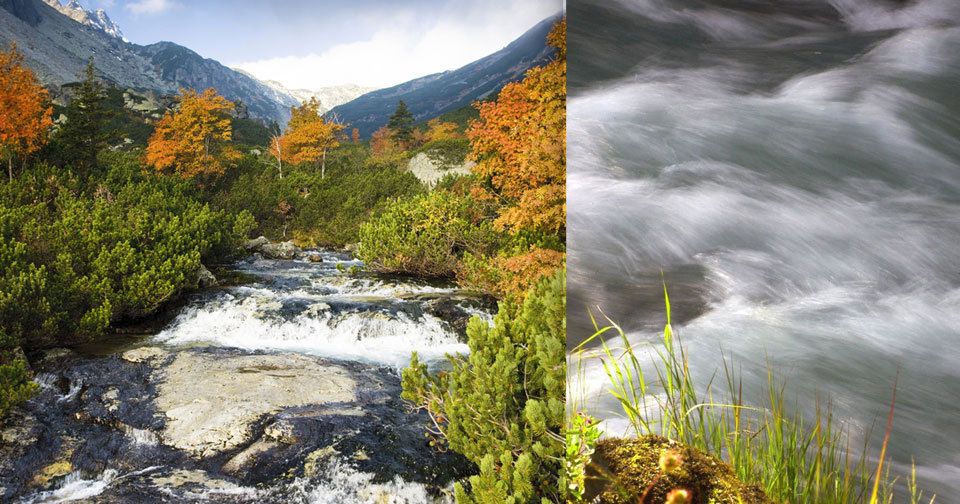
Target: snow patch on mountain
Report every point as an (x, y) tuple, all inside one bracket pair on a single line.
[(329, 97)]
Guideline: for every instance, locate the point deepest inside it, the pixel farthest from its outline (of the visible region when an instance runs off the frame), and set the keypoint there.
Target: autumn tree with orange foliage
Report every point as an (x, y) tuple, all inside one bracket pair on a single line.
[(519, 144), (383, 145), (194, 139), (519, 184), (24, 109), (309, 136)]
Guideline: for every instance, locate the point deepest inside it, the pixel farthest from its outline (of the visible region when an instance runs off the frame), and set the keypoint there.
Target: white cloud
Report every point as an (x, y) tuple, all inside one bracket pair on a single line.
[(150, 6), (408, 48)]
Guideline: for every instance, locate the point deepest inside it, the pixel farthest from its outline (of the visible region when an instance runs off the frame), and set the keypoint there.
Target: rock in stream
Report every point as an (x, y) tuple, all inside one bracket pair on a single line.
[(217, 425)]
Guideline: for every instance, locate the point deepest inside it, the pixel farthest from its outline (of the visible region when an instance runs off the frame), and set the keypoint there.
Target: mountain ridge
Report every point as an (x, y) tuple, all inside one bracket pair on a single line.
[(432, 95), (57, 47), (96, 19)]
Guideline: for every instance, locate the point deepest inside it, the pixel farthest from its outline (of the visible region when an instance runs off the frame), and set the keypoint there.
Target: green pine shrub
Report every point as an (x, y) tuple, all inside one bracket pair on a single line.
[(80, 254), (15, 384), (448, 152), (324, 212), (502, 406), (426, 235)]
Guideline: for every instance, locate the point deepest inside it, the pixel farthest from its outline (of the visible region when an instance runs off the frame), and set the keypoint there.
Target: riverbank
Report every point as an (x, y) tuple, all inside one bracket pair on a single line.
[(282, 389)]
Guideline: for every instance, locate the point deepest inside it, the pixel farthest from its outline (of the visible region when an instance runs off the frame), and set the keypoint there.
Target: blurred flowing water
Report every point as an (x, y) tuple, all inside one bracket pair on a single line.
[(792, 169)]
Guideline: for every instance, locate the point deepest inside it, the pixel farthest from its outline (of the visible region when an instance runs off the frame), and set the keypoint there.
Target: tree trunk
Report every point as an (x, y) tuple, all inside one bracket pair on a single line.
[(10, 167), (279, 158), (323, 166)]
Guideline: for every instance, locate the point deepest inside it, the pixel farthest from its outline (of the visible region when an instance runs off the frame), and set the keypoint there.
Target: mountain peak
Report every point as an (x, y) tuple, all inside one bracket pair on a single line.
[(98, 19)]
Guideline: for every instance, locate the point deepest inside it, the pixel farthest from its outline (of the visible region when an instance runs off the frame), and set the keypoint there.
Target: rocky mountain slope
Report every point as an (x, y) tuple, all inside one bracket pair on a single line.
[(433, 95), (97, 19), (57, 47)]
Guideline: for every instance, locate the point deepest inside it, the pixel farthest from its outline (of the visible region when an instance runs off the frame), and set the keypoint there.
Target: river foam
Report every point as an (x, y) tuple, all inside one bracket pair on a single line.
[(317, 311), (800, 192)]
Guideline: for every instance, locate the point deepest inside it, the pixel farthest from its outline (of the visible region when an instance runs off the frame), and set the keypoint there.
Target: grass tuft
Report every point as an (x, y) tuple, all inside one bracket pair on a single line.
[(766, 442)]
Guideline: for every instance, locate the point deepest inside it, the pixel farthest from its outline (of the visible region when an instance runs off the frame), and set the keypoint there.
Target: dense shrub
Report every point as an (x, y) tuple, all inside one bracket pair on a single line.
[(448, 152), (502, 406), (15, 384), (322, 211), (426, 235), (79, 254)]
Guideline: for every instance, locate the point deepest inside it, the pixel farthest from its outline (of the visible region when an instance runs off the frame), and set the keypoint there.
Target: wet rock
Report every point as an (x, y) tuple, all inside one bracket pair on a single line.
[(154, 425), (110, 399), (282, 431), (190, 478), (211, 402), (255, 244), (143, 354), (311, 464), (55, 354), (19, 430), (315, 257), (242, 461), (205, 278), (454, 311), (283, 250), (53, 471), (263, 246)]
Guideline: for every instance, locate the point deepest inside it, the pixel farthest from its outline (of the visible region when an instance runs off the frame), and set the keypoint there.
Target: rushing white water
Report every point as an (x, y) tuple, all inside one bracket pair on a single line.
[(74, 488), (317, 310), (345, 485), (340, 483), (289, 306), (795, 174)]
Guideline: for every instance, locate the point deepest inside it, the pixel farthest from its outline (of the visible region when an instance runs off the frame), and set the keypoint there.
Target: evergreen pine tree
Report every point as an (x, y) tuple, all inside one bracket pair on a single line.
[(502, 405), (401, 124), (87, 129)]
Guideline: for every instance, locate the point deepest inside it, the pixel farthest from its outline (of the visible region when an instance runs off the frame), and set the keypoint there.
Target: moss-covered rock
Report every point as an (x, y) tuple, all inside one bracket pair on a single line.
[(624, 469)]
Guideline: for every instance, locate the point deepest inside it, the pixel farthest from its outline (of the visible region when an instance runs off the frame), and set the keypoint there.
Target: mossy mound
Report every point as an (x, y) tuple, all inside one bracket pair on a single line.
[(623, 470)]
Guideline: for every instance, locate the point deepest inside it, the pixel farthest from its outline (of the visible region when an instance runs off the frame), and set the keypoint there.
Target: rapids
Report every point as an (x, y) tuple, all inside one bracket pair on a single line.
[(97, 430), (794, 172)]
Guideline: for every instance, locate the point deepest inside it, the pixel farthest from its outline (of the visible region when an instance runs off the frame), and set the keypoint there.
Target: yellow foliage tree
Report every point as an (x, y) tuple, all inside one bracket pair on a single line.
[(195, 138), (24, 109), (309, 136), (519, 144), (441, 130)]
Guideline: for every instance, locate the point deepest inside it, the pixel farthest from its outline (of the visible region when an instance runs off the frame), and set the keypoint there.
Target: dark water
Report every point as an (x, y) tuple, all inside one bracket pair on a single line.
[(792, 169)]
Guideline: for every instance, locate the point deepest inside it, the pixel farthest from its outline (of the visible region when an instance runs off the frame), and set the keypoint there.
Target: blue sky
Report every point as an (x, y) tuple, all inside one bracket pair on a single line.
[(311, 44)]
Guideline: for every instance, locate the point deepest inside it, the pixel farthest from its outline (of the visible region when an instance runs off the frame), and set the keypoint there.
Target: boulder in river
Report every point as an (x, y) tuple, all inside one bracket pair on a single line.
[(282, 250), (255, 244), (205, 278), (156, 424), (211, 402), (263, 246)]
